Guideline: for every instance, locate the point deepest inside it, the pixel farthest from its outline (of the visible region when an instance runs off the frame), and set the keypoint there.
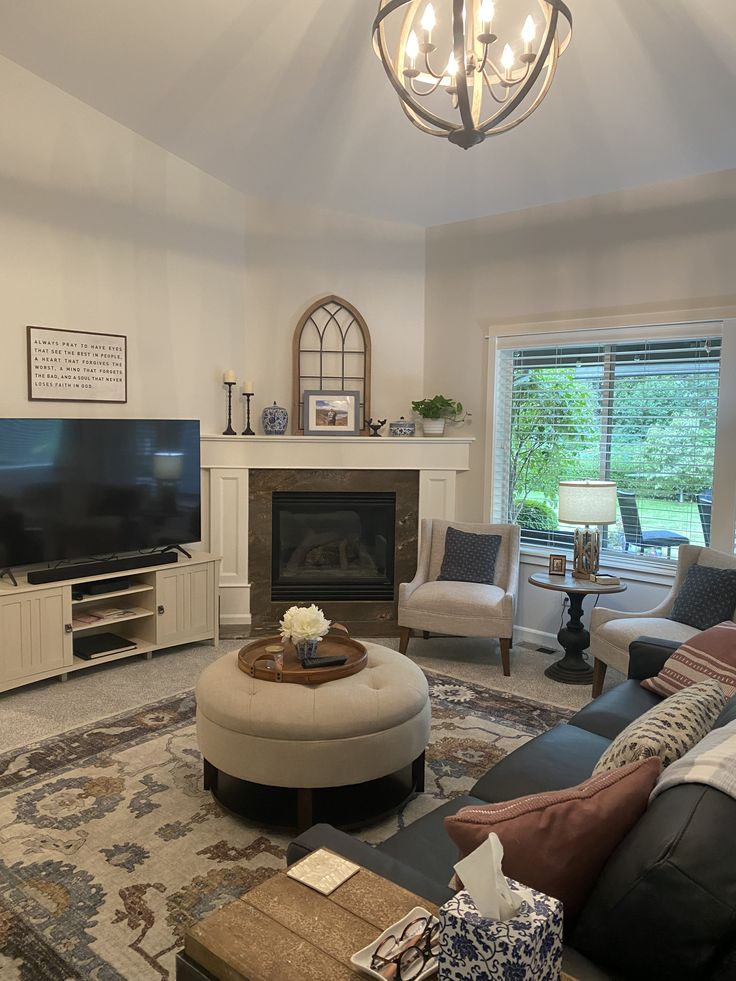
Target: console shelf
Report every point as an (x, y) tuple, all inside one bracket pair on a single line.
[(137, 613), (143, 588), (177, 603)]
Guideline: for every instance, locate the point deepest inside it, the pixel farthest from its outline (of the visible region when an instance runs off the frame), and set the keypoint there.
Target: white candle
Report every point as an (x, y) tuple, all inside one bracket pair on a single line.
[(247, 388), (228, 377)]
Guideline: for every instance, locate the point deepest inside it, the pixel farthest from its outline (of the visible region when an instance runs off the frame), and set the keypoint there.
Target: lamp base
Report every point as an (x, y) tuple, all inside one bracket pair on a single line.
[(586, 552)]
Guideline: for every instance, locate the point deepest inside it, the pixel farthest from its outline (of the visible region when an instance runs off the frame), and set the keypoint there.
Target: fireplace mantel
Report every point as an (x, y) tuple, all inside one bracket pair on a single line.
[(337, 452), (227, 460)]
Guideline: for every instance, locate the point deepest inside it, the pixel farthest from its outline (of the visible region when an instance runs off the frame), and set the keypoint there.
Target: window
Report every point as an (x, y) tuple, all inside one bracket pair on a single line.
[(639, 412)]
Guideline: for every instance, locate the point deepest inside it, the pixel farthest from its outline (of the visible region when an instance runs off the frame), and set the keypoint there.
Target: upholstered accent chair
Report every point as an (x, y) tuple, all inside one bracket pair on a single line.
[(611, 631), (465, 609)]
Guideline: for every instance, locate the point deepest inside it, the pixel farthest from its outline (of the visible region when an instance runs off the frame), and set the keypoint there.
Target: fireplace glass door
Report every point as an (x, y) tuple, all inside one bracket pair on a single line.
[(333, 546)]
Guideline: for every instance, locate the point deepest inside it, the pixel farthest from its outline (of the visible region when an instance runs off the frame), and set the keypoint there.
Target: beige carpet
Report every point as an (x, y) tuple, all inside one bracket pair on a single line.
[(49, 707)]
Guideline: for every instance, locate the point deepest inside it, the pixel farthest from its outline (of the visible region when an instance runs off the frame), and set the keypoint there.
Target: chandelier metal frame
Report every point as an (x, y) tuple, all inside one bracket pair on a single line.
[(472, 54)]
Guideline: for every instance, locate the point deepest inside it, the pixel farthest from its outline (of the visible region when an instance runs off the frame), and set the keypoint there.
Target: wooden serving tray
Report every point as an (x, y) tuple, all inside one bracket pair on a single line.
[(253, 660)]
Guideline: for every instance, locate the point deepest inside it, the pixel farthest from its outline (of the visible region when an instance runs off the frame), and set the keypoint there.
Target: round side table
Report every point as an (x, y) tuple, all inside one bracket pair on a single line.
[(574, 668)]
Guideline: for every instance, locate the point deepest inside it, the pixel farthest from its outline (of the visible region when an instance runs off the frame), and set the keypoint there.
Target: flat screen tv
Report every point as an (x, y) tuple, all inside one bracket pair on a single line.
[(82, 488)]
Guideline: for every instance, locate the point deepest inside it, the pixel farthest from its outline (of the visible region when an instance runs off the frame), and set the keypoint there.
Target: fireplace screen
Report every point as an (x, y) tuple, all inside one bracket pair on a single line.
[(333, 546)]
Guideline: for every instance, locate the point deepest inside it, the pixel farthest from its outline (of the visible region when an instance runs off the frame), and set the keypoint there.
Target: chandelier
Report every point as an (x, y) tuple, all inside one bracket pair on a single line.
[(481, 60)]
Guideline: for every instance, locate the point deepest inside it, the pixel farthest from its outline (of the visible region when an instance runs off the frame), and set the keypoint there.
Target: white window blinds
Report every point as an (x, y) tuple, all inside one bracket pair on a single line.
[(639, 412)]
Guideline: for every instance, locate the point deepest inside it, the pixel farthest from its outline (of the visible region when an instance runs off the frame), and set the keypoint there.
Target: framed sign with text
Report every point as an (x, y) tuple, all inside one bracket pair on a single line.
[(76, 366)]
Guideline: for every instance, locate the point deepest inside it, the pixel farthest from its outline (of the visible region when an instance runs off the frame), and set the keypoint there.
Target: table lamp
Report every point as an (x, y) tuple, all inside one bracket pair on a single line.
[(586, 503)]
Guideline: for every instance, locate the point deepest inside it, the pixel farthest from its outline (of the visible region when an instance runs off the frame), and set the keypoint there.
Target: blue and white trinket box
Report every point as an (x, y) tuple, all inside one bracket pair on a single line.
[(527, 947)]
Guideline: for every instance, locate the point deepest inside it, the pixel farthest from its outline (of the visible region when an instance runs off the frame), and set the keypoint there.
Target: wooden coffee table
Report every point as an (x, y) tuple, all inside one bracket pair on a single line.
[(284, 931)]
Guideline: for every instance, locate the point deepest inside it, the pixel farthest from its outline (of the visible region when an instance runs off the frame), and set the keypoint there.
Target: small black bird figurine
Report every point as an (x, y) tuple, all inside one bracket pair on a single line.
[(375, 426)]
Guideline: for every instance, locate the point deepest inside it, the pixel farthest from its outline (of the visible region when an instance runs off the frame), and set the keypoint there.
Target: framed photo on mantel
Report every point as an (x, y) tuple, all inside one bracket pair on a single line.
[(76, 366), (331, 413)]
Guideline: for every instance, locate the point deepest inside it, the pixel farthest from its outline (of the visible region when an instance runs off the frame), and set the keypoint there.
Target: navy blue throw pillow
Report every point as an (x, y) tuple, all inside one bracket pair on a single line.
[(469, 557), (707, 597)]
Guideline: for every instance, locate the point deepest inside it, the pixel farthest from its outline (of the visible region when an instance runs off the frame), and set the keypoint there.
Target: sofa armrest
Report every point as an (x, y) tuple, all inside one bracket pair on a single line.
[(325, 836), (647, 656)]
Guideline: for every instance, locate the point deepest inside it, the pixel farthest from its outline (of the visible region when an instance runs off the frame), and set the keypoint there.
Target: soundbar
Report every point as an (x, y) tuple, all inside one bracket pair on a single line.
[(101, 568)]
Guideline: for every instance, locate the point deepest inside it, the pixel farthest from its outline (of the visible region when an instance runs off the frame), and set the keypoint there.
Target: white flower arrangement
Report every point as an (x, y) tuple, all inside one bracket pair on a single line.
[(302, 623)]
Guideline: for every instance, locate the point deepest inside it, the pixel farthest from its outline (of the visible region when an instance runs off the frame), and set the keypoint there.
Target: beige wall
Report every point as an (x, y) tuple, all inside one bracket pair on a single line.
[(638, 256), (651, 255), (103, 230)]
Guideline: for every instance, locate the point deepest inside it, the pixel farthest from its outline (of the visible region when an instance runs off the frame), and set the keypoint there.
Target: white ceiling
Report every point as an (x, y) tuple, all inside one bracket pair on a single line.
[(285, 98)]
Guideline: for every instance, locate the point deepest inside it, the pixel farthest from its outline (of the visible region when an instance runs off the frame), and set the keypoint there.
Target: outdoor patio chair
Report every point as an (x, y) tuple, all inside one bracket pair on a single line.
[(635, 537), (705, 506)]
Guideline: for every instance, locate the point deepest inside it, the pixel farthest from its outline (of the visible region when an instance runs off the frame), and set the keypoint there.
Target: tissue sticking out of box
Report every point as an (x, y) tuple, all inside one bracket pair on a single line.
[(481, 875)]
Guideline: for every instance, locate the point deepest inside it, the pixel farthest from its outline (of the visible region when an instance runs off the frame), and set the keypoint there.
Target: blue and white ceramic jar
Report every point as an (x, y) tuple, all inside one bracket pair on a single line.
[(275, 420), (402, 427)]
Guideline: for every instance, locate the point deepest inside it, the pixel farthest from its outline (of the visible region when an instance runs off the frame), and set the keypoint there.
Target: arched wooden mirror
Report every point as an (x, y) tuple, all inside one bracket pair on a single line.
[(332, 352)]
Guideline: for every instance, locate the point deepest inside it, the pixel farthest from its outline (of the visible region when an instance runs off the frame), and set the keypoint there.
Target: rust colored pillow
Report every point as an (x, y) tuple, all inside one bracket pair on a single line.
[(558, 842), (710, 655)]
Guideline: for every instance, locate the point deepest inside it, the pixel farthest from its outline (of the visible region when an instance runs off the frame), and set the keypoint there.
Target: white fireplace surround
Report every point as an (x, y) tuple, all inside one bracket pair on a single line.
[(227, 461)]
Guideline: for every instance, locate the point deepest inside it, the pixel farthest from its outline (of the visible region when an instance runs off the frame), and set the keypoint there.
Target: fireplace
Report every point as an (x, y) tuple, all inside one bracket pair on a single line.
[(333, 545)]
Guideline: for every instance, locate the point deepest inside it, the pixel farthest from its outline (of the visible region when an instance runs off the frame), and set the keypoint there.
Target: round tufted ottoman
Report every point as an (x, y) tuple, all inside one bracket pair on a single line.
[(345, 735)]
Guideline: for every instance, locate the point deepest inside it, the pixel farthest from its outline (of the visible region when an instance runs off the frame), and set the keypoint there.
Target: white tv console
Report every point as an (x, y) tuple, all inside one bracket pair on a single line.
[(165, 605)]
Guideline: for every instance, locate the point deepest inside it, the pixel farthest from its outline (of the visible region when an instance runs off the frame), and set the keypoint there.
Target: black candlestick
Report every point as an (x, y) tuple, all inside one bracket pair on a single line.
[(247, 431), (229, 431)]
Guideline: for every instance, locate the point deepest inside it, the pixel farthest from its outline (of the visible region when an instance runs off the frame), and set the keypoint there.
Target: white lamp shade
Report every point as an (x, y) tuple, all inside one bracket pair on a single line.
[(587, 502)]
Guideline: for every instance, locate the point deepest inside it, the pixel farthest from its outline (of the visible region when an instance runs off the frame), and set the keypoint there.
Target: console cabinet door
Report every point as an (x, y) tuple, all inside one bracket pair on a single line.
[(33, 633), (185, 601)]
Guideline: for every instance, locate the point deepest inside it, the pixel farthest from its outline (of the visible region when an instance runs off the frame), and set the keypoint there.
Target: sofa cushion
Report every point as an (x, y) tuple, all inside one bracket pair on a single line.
[(579, 827), (664, 905), (710, 654), (614, 710), (727, 715), (562, 757), (669, 729), (425, 845), (469, 557), (706, 597)]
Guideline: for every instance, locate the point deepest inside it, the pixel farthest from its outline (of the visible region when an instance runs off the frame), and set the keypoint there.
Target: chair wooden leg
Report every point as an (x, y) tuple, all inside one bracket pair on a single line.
[(505, 643), (404, 637), (599, 676), (417, 774)]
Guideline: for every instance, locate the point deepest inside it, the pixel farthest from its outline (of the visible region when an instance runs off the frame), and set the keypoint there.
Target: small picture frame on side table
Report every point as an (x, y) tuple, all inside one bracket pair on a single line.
[(331, 413), (558, 565)]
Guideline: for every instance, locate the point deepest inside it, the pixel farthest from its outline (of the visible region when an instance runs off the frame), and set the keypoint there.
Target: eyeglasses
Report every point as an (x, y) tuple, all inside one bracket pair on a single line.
[(409, 953)]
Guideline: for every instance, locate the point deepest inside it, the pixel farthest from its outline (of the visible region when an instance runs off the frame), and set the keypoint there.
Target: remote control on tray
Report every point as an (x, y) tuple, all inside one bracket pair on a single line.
[(324, 662)]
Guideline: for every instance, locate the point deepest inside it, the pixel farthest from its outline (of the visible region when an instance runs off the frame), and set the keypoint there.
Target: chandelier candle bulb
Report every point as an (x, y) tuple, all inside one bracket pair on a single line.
[(412, 49), (527, 35), (507, 60), (429, 21)]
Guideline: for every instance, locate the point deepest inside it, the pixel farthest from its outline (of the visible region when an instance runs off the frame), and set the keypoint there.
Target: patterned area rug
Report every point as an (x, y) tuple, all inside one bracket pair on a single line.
[(109, 847)]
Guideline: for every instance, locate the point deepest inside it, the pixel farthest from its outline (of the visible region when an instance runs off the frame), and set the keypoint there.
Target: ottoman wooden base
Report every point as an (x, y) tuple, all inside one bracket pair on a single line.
[(349, 807)]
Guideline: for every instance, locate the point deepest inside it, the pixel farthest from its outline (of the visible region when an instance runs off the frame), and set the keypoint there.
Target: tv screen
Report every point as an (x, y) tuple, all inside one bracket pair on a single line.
[(78, 488)]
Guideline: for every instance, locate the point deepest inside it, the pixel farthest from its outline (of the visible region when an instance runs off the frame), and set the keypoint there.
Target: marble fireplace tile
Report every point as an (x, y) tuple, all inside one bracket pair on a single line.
[(369, 616)]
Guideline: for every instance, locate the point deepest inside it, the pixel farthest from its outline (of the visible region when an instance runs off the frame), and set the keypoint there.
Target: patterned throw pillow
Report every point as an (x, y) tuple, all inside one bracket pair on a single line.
[(710, 654), (706, 597), (469, 557), (669, 729)]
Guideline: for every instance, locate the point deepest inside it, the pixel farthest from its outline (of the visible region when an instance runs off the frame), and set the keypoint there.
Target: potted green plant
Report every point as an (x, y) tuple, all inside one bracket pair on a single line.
[(438, 410)]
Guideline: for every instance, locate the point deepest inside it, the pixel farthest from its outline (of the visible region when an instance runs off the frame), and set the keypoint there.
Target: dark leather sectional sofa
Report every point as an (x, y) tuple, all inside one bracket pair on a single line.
[(664, 906)]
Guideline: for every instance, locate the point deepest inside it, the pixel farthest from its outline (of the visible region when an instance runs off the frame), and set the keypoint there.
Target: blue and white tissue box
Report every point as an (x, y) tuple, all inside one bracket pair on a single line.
[(527, 947)]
